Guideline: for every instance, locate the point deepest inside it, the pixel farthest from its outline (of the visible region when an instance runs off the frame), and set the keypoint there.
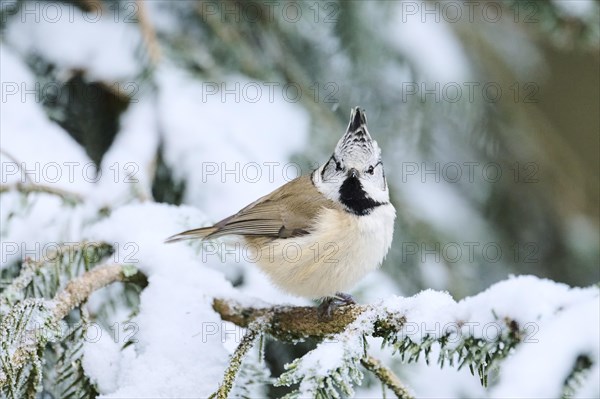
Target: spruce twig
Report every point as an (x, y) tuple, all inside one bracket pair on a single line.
[(79, 289), (67, 196), (24, 177), (31, 266), (235, 363), (148, 33), (386, 376), (76, 291)]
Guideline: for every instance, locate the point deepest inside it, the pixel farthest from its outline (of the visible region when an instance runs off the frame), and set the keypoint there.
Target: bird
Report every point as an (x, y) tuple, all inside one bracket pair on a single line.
[(319, 234)]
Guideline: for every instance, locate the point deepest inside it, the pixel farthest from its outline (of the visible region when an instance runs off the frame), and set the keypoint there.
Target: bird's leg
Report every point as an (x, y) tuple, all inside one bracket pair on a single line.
[(325, 308), (330, 303)]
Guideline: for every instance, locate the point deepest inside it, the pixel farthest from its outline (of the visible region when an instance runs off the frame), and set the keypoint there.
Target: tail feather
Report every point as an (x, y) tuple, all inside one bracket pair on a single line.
[(200, 233)]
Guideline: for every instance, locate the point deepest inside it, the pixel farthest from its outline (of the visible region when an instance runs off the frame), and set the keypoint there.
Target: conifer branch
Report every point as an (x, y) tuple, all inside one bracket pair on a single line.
[(25, 178), (289, 323), (79, 289), (31, 266), (235, 363), (75, 293), (148, 33), (68, 196), (386, 376)]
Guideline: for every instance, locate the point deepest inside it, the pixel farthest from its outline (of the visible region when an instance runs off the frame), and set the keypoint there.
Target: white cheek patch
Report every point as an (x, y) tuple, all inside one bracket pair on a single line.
[(329, 188), (376, 189)]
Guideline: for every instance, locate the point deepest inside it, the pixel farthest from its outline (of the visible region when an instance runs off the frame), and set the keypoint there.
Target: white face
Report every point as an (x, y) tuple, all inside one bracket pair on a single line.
[(354, 174)]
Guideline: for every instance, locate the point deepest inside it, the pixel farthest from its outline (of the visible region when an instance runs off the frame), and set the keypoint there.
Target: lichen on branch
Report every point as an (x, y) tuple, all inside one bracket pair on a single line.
[(289, 323)]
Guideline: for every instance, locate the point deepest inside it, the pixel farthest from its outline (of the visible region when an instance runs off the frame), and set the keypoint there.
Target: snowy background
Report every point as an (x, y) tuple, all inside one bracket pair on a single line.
[(127, 121)]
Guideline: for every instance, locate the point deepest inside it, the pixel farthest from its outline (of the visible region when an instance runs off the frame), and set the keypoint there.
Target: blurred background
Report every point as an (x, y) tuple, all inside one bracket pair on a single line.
[(487, 113)]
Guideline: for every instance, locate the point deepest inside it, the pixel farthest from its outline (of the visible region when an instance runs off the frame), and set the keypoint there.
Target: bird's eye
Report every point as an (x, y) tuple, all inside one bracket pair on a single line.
[(338, 166), (371, 170)]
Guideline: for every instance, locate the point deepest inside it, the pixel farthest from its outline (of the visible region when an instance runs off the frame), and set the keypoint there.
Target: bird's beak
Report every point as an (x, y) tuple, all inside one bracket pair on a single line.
[(353, 172)]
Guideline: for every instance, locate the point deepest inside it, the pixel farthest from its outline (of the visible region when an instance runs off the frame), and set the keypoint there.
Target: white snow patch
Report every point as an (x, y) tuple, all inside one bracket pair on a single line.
[(40, 146), (179, 350), (101, 360), (128, 166), (104, 45), (228, 149), (539, 366)]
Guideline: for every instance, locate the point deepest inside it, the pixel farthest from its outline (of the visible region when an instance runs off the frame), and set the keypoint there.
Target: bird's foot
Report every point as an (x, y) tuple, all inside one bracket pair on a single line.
[(346, 299), (329, 304)]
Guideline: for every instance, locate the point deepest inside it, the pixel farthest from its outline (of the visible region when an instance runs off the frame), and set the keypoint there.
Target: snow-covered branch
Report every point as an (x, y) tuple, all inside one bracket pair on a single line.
[(79, 289), (477, 332), (30, 324), (288, 323)]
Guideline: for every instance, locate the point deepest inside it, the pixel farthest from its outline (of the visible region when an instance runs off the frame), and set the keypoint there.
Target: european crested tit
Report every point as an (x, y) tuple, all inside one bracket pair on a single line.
[(319, 234)]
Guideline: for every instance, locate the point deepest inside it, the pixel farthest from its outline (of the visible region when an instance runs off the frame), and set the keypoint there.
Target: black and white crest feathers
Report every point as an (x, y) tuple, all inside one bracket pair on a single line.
[(357, 146)]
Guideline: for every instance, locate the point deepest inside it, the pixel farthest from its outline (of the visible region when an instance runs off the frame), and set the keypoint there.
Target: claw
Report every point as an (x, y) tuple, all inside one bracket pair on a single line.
[(325, 308), (347, 299), (330, 304)]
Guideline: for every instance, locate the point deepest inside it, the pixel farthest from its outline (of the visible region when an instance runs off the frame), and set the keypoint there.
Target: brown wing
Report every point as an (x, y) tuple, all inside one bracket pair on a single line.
[(286, 212)]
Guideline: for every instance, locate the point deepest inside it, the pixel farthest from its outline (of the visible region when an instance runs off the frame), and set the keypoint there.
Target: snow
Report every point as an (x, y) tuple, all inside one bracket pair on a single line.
[(128, 165), (324, 359), (36, 231), (506, 298), (24, 122), (559, 324), (427, 313), (449, 382), (236, 149), (539, 367), (177, 351), (216, 135), (101, 358), (55, 160), (104, 46), (433, 313)]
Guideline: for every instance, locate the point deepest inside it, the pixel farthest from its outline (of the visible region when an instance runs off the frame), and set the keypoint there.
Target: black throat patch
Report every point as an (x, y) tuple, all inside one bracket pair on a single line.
[(355, 198)]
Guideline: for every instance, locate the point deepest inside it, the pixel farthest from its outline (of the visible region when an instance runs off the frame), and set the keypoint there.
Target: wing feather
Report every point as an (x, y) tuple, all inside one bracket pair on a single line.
[(287, 212)]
